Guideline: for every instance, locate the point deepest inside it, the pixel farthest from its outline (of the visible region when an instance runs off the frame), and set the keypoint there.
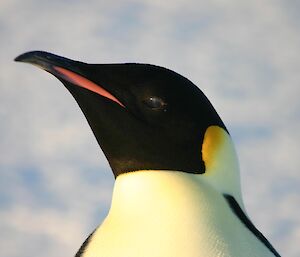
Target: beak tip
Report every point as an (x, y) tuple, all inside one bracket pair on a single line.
[(19, 58), (28, 56), (25, 56)]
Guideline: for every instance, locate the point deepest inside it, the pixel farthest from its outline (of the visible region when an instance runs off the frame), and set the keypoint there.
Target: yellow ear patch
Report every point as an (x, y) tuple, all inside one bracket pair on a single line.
[(213, 140), (221, 163)]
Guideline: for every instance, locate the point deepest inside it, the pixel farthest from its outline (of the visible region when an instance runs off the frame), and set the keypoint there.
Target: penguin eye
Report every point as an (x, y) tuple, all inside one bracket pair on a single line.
[(155, 103)]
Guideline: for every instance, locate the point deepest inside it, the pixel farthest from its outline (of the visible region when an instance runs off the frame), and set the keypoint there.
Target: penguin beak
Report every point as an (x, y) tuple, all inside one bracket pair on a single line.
[(105, 102), (66, 70)]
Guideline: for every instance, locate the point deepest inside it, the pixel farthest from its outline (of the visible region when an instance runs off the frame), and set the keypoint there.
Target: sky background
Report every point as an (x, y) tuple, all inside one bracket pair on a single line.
[(55, 184)]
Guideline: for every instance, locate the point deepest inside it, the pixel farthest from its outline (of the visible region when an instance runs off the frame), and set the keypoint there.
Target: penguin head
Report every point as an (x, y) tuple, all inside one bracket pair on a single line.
[(144, 117)]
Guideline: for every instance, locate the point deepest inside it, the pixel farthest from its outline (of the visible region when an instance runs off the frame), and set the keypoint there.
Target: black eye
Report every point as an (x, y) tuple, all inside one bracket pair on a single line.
[(155, 103)]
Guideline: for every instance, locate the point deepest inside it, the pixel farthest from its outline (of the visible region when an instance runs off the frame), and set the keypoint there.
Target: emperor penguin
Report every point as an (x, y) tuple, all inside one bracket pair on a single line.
[(177, 186)]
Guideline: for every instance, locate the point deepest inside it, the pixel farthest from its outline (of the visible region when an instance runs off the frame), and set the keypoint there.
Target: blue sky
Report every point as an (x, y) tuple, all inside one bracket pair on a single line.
[(56, 185)]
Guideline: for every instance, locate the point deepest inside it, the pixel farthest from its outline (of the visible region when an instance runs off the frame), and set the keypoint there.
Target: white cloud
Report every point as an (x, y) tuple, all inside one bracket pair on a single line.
[(244, 55)]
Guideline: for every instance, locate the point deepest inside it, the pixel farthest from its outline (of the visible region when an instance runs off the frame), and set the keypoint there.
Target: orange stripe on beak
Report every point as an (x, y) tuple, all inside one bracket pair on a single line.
[(85, 83)]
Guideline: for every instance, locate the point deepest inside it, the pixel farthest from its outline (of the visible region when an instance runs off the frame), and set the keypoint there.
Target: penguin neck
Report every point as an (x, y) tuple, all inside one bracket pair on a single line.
[(139, 191), (144, 194)]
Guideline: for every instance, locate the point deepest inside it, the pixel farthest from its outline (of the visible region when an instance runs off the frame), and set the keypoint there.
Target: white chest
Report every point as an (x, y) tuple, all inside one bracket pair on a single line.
[(170, 214)]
